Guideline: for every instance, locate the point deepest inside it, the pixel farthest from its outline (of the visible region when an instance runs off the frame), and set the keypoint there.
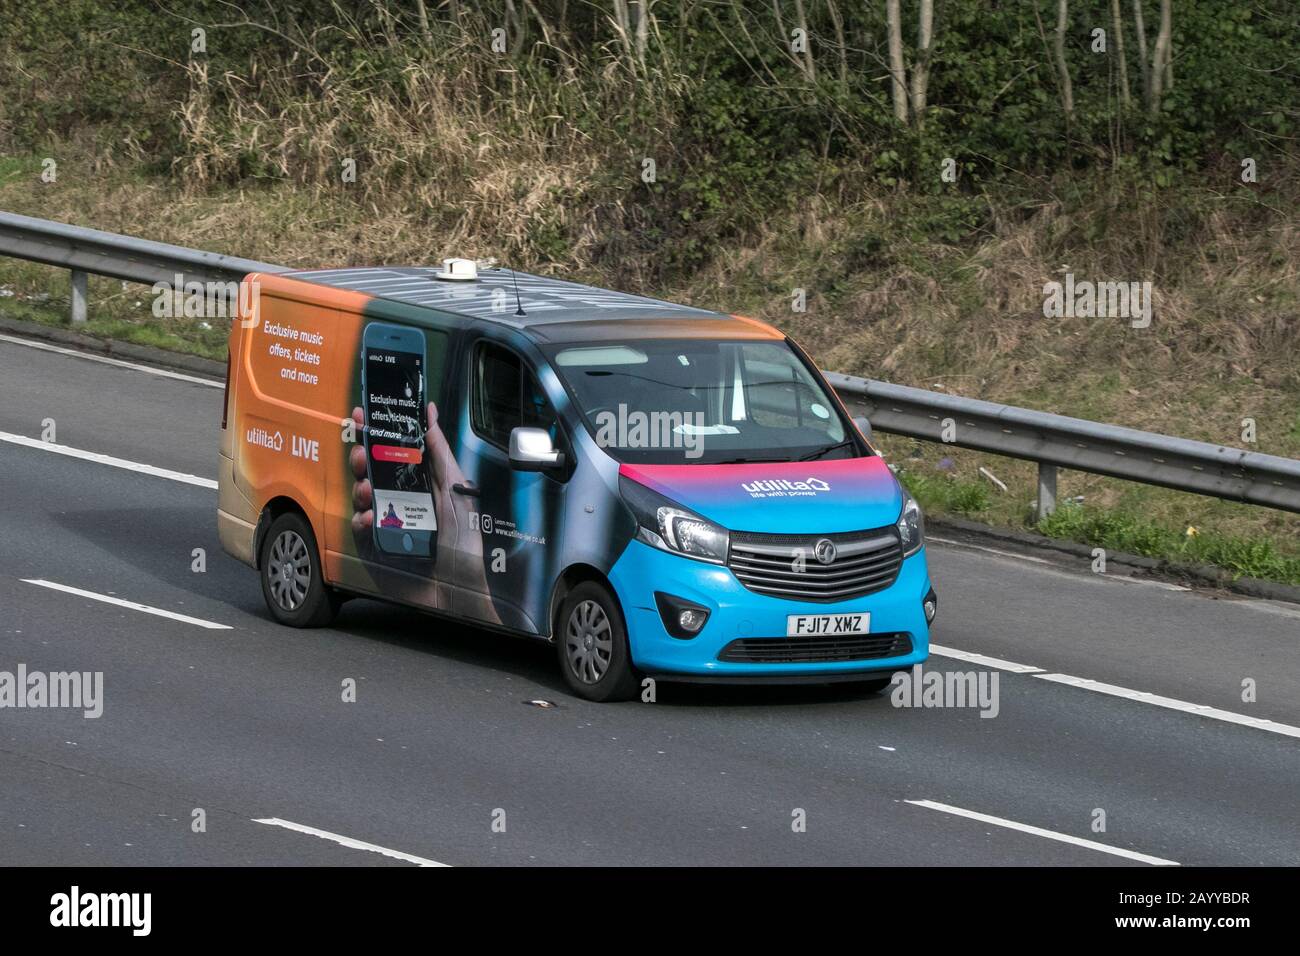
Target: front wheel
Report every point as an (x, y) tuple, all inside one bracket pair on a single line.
[(292, 583), (592, 645)]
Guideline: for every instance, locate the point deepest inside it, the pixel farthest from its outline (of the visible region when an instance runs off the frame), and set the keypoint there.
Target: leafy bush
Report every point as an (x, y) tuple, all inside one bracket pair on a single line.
[(946, 495)]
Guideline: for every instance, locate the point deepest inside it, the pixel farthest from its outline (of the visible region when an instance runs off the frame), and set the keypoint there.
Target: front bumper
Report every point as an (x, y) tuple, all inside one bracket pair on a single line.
[(736, 612)]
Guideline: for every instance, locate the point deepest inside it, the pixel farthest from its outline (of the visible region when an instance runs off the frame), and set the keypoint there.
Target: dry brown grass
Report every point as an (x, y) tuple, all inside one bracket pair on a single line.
[(1225, 343), (443, 169)]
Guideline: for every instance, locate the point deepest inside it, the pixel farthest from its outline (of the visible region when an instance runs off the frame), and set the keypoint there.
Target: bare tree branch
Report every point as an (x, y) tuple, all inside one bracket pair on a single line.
[(1158, 64), (921, 68), (1117, 25), (897, 69), (1063, 68)]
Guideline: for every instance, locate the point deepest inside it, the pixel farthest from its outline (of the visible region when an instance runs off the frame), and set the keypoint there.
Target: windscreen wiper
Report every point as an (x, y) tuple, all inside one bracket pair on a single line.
[(827, 450)]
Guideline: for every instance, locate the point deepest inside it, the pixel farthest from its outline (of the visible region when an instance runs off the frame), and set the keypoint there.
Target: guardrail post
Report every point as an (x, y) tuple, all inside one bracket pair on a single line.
[(1046, 489), (78, 296)]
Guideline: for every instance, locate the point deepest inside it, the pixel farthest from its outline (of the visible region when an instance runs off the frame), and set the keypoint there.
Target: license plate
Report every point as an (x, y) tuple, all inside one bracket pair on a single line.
[(819, 625)]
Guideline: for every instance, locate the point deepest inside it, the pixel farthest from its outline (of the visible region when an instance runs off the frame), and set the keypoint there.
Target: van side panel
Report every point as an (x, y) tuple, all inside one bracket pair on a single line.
[(236, 515), (285, 415), (348, 550), (295, 382)]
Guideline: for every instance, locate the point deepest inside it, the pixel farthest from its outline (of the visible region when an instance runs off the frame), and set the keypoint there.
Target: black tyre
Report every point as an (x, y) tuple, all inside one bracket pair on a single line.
[(592, 644), (292, 583)]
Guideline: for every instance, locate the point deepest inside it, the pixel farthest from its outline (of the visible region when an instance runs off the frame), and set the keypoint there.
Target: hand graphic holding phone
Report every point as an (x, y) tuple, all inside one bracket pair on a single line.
[(459, 557)]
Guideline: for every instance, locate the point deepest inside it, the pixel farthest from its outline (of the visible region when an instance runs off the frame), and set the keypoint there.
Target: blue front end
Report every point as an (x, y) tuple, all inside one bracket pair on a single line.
[(736, 612), (746, 631)]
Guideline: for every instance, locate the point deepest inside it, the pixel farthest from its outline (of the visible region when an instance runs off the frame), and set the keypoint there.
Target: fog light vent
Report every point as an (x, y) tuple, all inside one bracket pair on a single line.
[(683, 619), (931, 606)]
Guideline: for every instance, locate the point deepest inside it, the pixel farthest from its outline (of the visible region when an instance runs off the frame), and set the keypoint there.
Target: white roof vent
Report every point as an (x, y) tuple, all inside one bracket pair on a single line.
[(458, 270)]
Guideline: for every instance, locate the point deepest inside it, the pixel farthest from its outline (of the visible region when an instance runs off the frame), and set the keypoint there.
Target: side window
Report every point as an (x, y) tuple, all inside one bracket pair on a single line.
[(495, 408), (505, 396)]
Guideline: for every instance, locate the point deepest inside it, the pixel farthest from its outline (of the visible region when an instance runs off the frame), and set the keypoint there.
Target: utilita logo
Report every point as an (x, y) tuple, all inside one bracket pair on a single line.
[(784, 488)]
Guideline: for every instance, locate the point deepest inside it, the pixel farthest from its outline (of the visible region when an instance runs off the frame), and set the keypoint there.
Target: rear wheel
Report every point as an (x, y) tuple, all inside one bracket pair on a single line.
[(592, 645), (292, 583)]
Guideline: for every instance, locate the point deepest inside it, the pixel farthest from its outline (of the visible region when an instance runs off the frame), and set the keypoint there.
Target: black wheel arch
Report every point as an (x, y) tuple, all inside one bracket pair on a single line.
[(574, 575), (277, 506)]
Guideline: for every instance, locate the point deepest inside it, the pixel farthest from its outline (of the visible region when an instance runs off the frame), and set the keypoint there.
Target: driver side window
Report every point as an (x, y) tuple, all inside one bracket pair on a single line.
[(505, 395)]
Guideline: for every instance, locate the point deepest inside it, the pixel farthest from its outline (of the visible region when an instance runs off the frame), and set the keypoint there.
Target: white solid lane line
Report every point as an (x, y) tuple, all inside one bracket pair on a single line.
[(967, 656), (164, 373), (132, 605), (1061, 569), (983, 660), (1141, 696), (108, 460), (1269, 607), (349, 842), (979, 547), (1039, 831), (1201, 710), (1149, 583)]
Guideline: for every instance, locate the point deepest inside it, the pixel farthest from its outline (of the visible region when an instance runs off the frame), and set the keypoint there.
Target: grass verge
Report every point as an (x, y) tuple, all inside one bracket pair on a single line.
[(1169, 526)]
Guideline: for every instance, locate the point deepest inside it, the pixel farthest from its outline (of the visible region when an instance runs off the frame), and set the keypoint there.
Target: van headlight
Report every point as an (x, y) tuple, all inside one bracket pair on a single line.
[(666, 525), (911, 525)]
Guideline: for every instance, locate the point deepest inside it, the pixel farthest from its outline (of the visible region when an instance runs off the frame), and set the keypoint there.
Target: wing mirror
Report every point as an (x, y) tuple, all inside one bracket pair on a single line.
[(531, 449), (864, 426)]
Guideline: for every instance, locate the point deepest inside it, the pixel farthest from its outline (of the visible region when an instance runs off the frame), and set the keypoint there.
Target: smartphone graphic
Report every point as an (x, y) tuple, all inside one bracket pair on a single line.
[(395, 405)]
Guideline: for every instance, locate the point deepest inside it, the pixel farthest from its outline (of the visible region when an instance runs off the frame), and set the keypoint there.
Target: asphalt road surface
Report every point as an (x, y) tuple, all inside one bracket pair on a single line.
[(1116, 694)]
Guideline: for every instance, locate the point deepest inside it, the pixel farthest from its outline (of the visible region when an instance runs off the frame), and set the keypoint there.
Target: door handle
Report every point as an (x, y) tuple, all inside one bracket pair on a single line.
[(469, 491)]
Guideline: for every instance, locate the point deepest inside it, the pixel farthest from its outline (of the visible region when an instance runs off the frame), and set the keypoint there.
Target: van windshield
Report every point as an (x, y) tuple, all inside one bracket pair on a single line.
[(703, 402)]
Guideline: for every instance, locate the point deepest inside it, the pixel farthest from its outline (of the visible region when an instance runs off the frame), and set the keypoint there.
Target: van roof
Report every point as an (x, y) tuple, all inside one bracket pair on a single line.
[(491, 296)]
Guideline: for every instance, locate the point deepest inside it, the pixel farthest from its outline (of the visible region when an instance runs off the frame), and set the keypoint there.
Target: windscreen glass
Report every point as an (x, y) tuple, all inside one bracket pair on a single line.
[(703, 402)]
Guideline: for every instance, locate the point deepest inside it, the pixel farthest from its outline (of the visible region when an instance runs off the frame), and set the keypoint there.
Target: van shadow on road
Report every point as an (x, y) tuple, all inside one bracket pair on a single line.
[(159, 541), (535, 660)]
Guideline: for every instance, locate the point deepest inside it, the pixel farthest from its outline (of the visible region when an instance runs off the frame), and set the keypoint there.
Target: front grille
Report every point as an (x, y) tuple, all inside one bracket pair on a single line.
[(785, 565), (816, 650)]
